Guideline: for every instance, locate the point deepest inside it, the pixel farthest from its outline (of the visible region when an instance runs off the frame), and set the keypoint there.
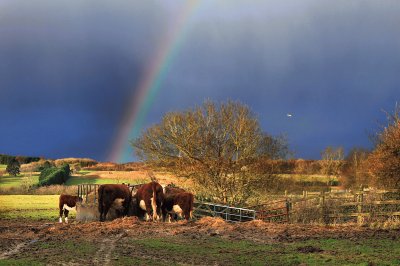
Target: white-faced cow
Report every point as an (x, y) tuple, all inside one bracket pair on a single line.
[(67, 203), (177, 202), (149, 198), (112, 195)]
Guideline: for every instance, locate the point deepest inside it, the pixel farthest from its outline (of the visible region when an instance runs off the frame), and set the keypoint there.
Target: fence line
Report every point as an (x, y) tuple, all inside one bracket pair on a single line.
[(360, 204), (324, 205)]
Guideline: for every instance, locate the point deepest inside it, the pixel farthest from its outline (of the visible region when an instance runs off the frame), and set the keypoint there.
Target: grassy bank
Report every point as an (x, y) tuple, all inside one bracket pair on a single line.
[(30, 207), (7, 181), (76, 180)]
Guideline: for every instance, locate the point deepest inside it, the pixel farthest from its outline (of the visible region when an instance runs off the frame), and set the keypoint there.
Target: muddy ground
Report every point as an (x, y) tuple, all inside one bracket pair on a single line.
[(128, 241)]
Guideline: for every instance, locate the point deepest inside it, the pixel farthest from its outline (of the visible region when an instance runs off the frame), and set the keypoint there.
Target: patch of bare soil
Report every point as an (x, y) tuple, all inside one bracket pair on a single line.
[(309, 249), (18, 238), (107, 246)]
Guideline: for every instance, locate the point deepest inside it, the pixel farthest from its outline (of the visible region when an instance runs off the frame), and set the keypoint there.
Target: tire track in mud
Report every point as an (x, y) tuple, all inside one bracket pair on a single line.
[(107, 246), (16, 249)]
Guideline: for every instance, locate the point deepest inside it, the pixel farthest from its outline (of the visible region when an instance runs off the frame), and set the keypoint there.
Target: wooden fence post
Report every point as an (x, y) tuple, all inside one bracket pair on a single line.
[(360, 200), (95, 194), (288, 210), (323, 210)]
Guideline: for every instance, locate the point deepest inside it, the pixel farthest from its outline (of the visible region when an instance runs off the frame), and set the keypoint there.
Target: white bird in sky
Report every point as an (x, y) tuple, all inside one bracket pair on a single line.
[(289, 115)]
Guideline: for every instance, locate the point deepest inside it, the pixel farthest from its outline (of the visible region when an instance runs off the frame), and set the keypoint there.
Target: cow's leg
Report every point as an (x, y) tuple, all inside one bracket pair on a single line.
[(154, 208), (148, 209), (66, 215), (159, 214), (164, 213), (106, 208), (61, 214), (187, 215), (126, 206), (141, 213), (101, 210), (107, 203)]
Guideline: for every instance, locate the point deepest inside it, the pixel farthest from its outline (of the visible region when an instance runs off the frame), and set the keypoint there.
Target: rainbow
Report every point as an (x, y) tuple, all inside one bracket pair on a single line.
[(134, 116)]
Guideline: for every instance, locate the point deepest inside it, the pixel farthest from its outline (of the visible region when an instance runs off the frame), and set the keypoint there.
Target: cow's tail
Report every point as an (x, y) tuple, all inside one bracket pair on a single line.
[(154, 201)]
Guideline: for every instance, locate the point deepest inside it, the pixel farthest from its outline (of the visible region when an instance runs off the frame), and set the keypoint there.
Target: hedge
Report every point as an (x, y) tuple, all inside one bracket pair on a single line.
[(54, 175)]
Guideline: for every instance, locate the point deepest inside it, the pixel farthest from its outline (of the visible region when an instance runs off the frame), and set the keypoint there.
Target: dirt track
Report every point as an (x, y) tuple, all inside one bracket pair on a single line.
[(107, 243)]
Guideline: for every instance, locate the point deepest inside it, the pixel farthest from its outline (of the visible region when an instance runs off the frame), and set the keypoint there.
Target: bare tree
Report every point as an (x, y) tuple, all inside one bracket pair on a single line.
[(218, 146), (384, 161), (354, 172), (332, 161)]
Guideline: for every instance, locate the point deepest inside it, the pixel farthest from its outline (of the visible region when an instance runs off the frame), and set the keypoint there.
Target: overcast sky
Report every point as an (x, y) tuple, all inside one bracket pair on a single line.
[(68, 69)]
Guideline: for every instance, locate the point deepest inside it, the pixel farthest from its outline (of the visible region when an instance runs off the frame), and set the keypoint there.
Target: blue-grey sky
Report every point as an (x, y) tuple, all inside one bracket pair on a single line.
[(68, 69)]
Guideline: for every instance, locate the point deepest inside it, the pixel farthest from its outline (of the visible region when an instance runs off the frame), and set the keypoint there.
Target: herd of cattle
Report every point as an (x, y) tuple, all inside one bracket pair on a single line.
[(148, 201)]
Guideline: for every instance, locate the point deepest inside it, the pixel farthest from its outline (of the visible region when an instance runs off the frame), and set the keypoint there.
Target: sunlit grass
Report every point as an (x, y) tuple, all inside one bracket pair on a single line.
[(76, 180), (84, 172), (34, 207), (15, 181), (309, 178), (24, 202)]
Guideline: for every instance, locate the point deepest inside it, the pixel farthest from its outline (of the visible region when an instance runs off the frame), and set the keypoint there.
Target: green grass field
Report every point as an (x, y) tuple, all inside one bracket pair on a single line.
[(309, 178), (3, 166), (178, 250), (15, 181), (82, 177), (76, 180), (310, 252), (34, 207)]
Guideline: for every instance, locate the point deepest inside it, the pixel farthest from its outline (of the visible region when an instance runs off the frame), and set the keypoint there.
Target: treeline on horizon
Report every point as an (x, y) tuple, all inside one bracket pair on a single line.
[(83, 162), (289, 166), (6, 159)]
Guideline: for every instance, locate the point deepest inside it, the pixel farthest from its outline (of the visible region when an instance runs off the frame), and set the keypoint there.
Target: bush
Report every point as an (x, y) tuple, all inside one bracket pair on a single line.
[(54, 175), (384, 161), (13, 167), (27, 183)]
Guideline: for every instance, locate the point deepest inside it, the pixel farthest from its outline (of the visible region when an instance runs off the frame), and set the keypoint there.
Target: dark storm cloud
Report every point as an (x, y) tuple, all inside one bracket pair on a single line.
[(332, 64), (69, 68), (67, 71)]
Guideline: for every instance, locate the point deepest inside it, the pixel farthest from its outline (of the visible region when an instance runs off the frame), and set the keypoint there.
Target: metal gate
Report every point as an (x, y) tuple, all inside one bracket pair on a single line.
[(277, 211), (227, 213)]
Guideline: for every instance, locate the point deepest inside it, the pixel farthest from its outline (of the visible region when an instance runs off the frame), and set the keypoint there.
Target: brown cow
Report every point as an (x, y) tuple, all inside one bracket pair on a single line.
[(149, 198), (112, 194), (172, 189), (67, 203), (180, 203)]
